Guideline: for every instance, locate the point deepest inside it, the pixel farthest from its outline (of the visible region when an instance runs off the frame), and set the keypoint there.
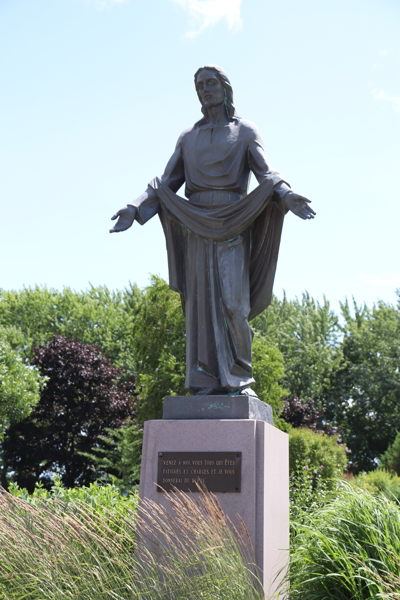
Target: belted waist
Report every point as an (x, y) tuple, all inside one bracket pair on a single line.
[(215, 197)]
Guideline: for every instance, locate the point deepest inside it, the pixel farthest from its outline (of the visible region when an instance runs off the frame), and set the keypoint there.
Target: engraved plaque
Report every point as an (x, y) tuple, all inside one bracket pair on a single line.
[(218, 471)]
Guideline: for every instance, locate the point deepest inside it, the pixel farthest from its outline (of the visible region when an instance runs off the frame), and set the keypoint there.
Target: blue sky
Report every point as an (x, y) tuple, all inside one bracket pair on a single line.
[(94, 94)]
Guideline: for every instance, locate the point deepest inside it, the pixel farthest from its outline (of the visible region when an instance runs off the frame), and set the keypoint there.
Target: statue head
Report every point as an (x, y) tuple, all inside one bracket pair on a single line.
[(226, 92)]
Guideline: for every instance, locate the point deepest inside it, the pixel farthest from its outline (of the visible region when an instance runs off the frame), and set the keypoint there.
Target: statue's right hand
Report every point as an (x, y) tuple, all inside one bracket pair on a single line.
[(125, 217)]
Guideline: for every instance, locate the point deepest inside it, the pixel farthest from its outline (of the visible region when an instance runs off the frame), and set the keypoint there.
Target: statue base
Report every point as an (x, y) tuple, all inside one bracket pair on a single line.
[(216, 407), (256, 487)]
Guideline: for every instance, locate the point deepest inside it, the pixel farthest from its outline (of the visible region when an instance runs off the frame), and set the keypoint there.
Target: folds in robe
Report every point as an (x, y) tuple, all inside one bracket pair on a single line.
[(258, 211)]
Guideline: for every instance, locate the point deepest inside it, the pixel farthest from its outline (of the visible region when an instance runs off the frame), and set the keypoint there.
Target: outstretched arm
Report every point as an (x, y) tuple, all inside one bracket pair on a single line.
[(125, 217), (298, 205), (262, 170), (147, 205)]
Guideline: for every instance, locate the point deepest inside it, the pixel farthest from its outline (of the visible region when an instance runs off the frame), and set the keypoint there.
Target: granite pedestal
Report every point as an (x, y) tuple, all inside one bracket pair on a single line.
[(216, 407), (263, 501)]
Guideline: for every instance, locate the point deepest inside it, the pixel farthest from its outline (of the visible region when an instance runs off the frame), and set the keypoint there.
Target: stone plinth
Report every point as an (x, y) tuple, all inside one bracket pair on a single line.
[(263, 502), (216, 407)]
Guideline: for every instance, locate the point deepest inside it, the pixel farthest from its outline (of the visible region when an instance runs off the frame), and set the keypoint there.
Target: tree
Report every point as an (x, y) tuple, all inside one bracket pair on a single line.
[(119, 458), (20, 384), (390, 460), (159, 346), (268, 371), (367, 384), (83, 397), (98, 316), (308, 335), (304, 414)]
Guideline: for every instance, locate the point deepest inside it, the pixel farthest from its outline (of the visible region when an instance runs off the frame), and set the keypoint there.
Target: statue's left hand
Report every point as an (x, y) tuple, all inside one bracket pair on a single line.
[(299, 205)]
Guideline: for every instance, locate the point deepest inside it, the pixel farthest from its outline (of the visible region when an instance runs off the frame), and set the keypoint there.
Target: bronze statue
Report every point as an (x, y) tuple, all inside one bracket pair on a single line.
[(222, 243)]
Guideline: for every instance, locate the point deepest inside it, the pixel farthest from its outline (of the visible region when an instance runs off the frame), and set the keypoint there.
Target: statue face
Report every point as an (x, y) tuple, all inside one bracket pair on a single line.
[(209, 88)]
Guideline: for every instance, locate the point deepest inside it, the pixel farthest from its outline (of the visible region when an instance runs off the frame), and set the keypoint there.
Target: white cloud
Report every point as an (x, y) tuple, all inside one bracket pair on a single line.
[(382, 95), (383, 52), (207, 13), (392, 279)]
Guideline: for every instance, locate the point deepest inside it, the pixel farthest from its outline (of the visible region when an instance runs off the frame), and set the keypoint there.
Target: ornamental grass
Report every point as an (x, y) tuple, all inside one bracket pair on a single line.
[(54, 550), (349, 549)]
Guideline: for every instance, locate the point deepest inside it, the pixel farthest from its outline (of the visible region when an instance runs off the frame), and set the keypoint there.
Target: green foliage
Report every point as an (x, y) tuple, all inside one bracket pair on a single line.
[(20, 384), (349, 375), (268, 371), (308, 492), (307, 334), (13, 337), (379, 482), (370, 377), (59, 550), (347, 550), (98, 316), (168, 379), (311, 451), (119, 458), (159, 341), (83, 396), (391, 458), (105, 499)]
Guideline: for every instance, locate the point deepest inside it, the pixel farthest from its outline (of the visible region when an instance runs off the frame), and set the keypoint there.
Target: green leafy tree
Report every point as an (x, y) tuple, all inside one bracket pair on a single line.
[(308, 335), (98, 316), (367, 384), (83, 397), (20, 384), (159, 346), (268, 371)]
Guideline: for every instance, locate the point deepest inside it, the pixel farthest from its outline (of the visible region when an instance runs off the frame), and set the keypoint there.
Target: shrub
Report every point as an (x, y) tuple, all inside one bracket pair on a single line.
[(105, 501), (347, 550), (391, 458), (316, 451), (379, 481), (308, 491)]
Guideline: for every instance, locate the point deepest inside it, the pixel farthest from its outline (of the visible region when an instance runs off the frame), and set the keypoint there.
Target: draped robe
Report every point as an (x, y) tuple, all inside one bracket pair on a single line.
[(222, 245)]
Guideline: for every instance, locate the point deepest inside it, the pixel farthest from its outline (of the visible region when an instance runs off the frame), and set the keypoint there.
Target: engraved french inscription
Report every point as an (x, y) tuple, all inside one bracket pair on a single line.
[(217, 471)]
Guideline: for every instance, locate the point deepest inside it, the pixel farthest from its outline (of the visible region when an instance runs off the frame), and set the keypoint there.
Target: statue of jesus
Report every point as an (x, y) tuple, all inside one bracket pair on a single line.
[(222, 242)]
